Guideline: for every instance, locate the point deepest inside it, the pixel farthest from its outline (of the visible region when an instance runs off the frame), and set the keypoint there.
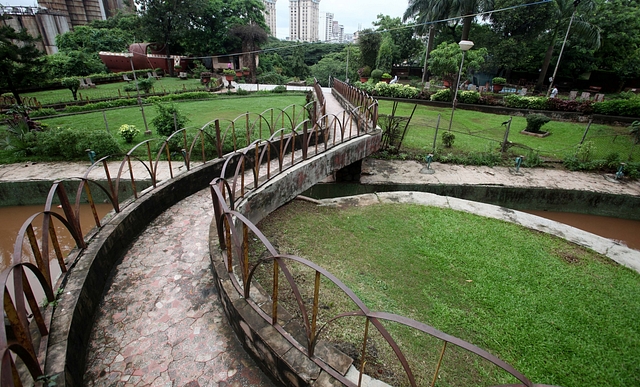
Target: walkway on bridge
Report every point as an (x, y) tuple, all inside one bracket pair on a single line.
[(158, 324)]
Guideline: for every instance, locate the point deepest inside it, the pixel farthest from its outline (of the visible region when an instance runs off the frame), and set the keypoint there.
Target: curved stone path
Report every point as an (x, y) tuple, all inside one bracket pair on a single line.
[(160, 322)]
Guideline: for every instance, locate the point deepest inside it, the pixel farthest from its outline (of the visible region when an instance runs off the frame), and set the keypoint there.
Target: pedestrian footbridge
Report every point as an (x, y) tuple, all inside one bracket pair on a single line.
[(137, 303)]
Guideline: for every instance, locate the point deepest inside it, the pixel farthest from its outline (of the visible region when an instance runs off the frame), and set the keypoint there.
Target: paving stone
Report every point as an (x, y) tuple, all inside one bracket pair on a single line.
[(161, 323)]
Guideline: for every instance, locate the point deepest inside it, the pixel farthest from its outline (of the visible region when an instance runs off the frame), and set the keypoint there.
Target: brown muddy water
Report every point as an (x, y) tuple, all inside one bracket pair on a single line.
[(623, 230), (12, 218)]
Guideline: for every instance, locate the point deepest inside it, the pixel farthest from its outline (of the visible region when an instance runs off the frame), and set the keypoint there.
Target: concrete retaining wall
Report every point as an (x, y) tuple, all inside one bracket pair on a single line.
[(283, 361), (518, 198)]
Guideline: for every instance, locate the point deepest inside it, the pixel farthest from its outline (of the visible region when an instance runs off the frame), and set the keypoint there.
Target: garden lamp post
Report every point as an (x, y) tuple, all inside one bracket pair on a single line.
[(465, 45), (135, 79)]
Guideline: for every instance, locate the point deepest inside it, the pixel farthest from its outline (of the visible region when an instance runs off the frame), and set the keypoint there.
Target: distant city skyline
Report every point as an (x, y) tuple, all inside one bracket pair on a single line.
[(350, 14)]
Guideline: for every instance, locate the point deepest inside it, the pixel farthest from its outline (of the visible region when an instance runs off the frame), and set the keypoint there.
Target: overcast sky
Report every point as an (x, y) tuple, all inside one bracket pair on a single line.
[(349, 13)]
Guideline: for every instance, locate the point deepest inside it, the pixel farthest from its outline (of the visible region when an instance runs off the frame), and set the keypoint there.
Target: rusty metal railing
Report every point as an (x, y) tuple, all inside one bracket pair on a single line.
[(275, 136), (235, 232), (365, 106)]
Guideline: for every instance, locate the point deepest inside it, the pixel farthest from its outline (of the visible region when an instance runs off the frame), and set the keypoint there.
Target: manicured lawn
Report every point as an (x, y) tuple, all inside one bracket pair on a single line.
[(199, 113), (483, 132), (558, 313), (112, 90)]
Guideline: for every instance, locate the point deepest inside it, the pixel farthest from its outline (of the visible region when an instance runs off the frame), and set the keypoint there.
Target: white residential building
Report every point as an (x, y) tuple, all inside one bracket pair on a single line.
[(270, 15), (304, 18)]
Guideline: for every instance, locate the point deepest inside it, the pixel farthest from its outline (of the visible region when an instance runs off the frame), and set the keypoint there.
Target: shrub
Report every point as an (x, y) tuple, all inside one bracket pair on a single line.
[(144, 84), (128, 132), (376, 75), (469, 97), (535, 122), (164, 121), (585, 151), (364, 72), (43, 112), (386, 76), (634, 130), (564, 105), (619, 107), (498, 81), (99, 141), (272, 78), (520, 102), (70, 144), (242, 92), (447, 139), (396, 90), (443, 95), (279, 89)]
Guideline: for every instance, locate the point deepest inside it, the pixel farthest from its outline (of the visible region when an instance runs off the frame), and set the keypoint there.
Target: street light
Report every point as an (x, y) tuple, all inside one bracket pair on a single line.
[(465, 45), (135, 79)]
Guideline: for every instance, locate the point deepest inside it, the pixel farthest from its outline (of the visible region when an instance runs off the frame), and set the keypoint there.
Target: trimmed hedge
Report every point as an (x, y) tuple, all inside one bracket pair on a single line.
[(619, 107)]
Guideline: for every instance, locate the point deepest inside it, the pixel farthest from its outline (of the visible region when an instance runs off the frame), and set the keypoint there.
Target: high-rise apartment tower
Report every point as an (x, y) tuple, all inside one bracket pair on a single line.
[(304, 17), (270, 15)]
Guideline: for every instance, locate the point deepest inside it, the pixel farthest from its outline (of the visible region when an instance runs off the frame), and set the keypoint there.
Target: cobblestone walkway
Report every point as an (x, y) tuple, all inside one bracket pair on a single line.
[(160, 322)]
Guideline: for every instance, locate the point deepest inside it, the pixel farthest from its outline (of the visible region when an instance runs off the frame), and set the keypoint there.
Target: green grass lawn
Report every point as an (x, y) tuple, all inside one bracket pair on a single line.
[(558, 313), (483, 132), (112, 90), (199, 113)]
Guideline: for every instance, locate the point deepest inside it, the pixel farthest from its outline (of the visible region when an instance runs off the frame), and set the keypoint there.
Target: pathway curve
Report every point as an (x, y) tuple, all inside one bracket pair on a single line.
[(160, 322)]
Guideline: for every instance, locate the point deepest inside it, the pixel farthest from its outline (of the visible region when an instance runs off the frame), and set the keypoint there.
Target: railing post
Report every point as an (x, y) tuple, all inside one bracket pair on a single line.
[(305, 137)]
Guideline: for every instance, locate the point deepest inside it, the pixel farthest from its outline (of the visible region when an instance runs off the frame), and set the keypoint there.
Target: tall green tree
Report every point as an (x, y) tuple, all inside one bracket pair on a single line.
[(369, 43), (20, 60), (433, 10), (405, 47), (252, 36), (209, 33), (93, 40), (168, 21), (445, 61), (619, 53), (561, 14)]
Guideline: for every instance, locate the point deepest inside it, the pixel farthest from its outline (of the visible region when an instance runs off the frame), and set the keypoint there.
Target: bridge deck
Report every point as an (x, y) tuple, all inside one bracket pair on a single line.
[(158, 323)]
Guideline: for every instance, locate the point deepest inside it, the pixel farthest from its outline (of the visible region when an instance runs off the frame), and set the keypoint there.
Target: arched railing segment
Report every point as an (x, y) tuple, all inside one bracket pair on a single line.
[(294, 123), (15, 335), (234, 228)]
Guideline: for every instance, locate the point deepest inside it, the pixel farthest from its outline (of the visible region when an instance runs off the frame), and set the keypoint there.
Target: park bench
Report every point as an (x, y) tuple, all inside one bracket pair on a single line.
[(90, 83), (573, 94), (594, 89), (126, 78), (83, 84)]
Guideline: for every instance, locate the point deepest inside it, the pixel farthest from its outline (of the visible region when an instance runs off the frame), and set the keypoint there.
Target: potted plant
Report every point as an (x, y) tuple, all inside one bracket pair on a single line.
[(376, 75), (364, 73), (229, 74), (386, 77), (498, 84), (245, 71)]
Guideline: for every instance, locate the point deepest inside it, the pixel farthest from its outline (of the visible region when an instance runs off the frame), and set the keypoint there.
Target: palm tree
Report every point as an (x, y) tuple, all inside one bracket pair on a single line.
[(252, 35), (426, 11), (564, 12)]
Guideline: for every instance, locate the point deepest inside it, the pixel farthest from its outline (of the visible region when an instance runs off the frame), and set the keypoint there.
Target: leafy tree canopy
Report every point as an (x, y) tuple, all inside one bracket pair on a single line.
[(369, 43), (404, 46), (20, 60), (91, 40)]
